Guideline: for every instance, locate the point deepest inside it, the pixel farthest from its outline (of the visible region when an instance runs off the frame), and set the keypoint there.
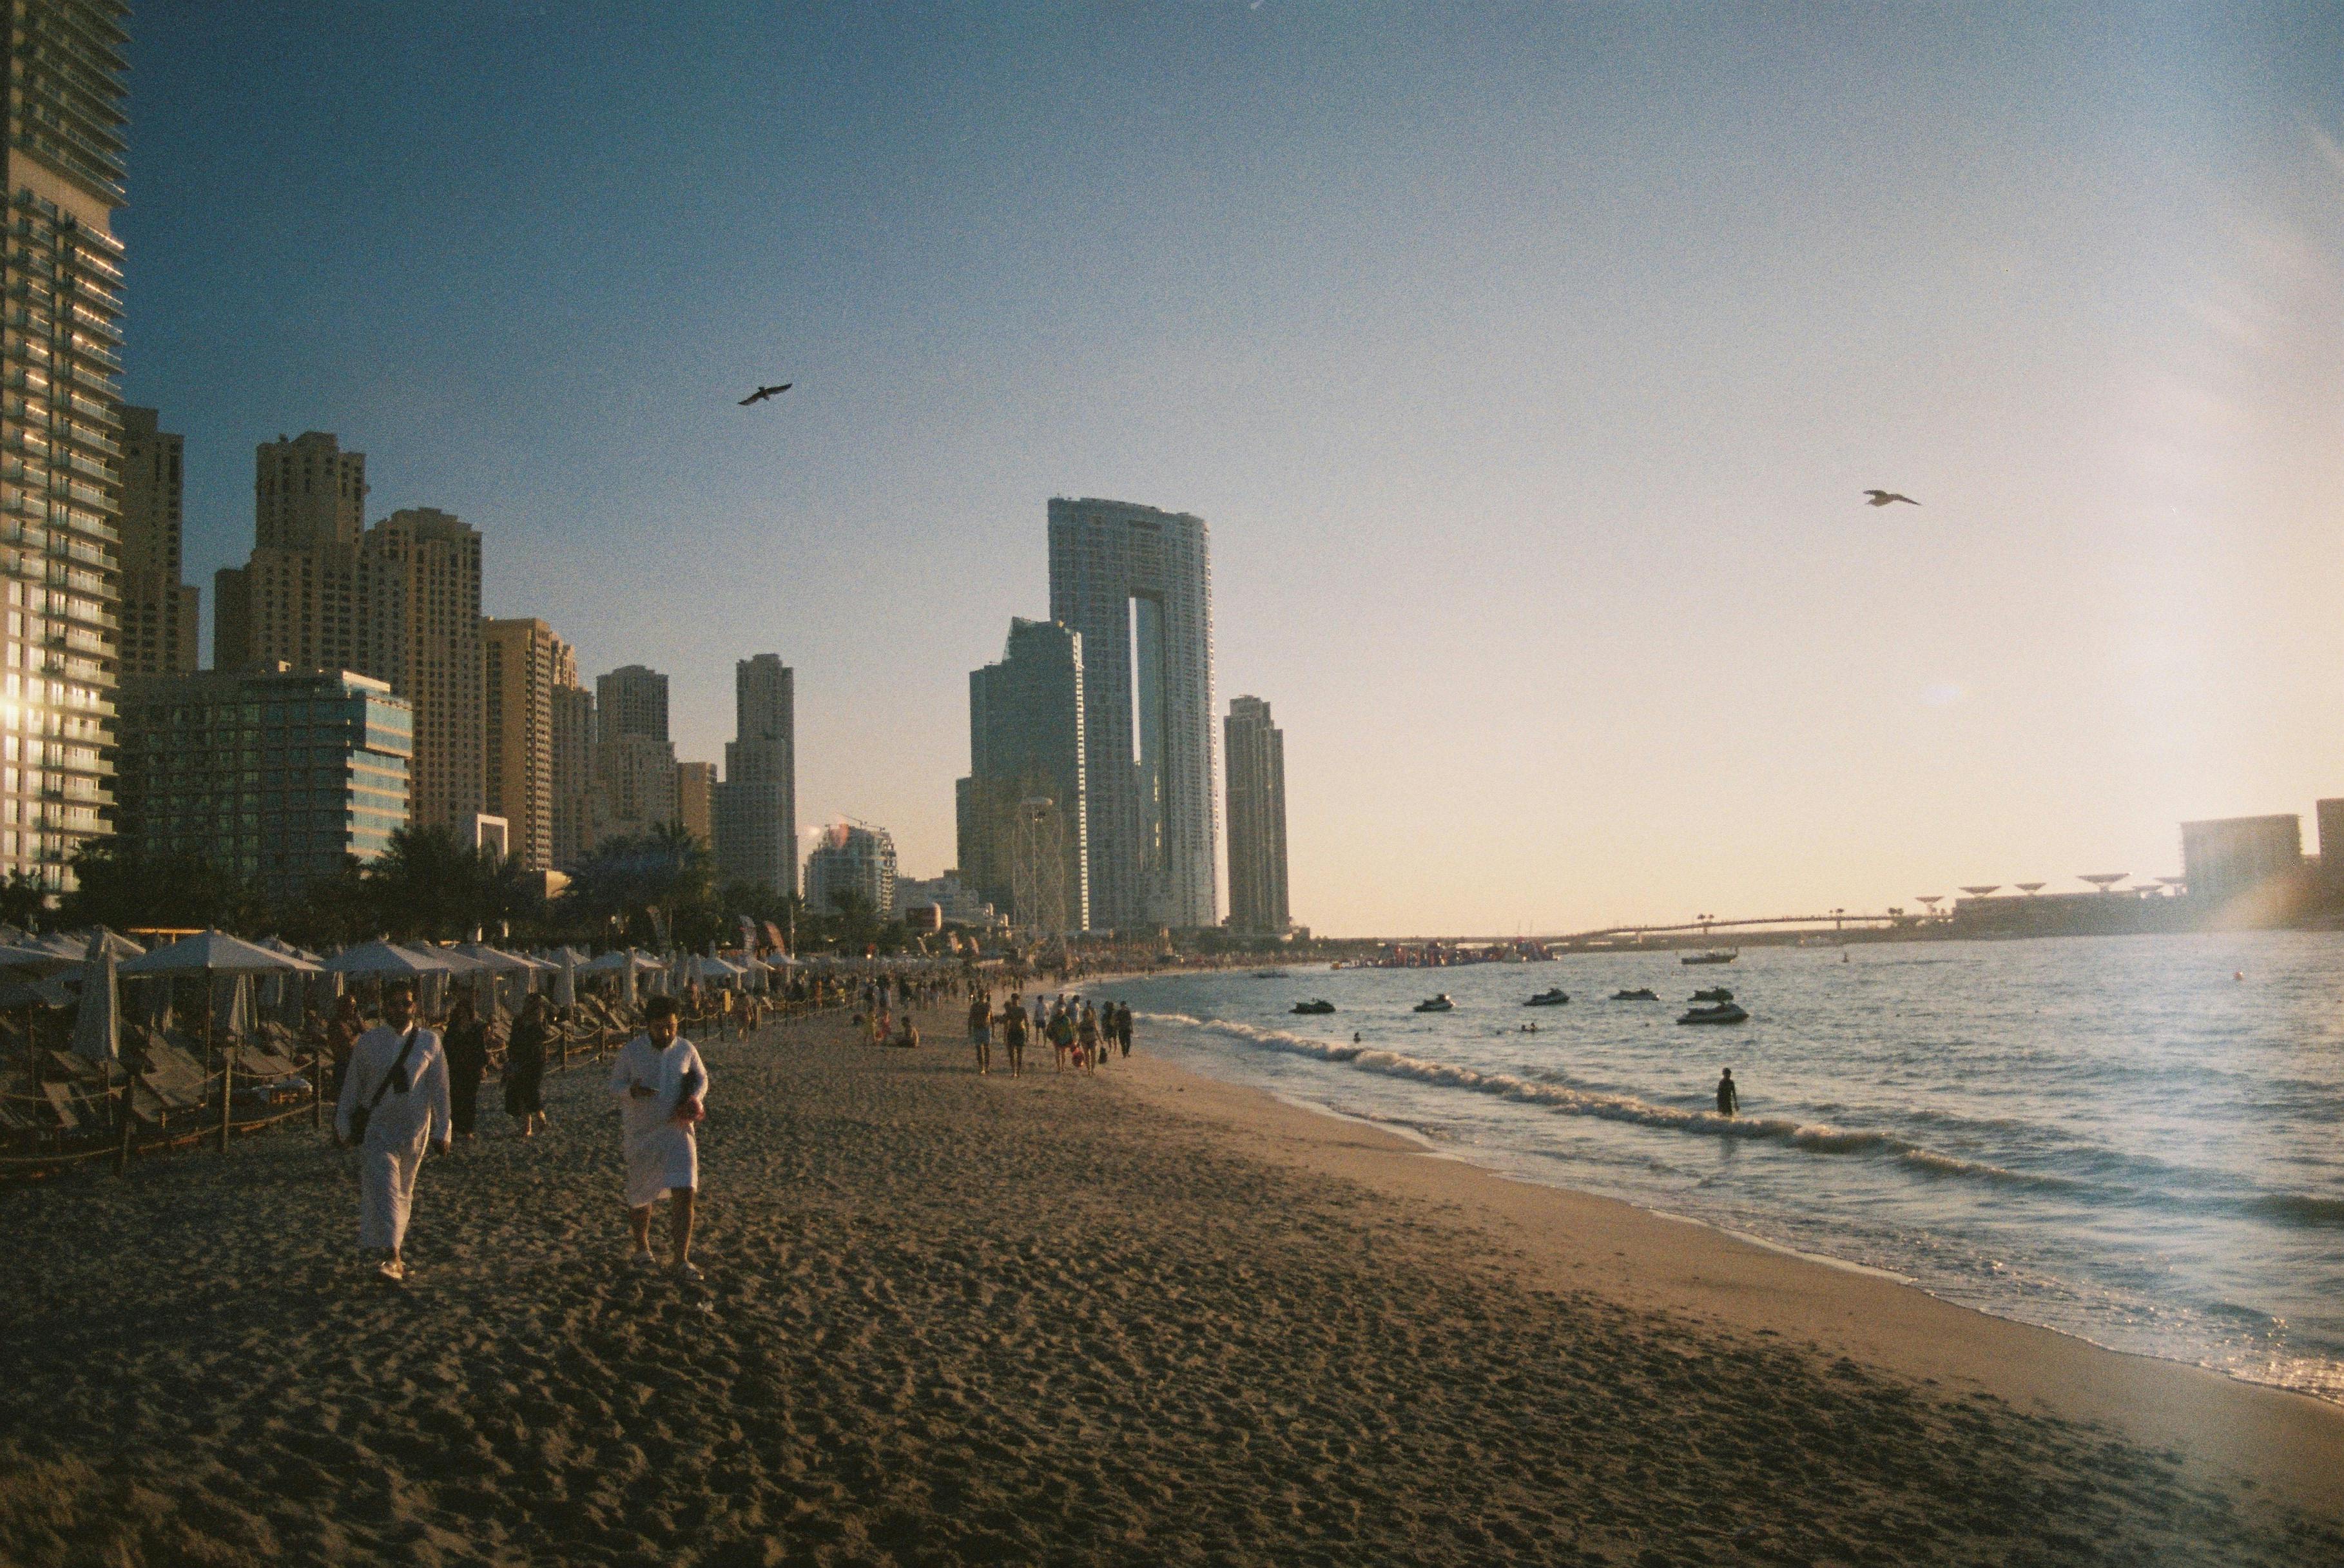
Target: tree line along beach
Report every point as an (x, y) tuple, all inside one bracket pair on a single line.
[(1135, 1317)]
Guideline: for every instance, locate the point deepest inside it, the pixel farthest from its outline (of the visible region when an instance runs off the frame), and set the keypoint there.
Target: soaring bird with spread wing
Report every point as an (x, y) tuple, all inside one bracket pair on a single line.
[(1884, 497), (761, 394)]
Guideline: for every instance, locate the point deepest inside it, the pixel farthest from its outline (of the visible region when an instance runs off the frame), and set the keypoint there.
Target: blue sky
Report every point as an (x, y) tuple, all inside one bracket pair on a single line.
[(1526, 361)]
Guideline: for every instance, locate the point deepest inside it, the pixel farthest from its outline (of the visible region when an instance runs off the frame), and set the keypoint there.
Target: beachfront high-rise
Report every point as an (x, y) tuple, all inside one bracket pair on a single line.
[(1137, 584), (854, 863), (757, 804), (399, 602), (634, 761), (274, 775), (159, 607), (1256, 761), (60, 469), (523, 665), (573, 776), (1023, 811)]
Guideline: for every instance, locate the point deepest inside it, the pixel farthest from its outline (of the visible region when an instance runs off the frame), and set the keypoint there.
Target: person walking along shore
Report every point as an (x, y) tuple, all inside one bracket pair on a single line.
[(467, 1047), (394, 1101), (525, 1064), (662, 1087)]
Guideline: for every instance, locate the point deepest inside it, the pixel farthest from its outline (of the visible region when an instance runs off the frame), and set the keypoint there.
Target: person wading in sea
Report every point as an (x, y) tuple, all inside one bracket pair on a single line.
[(1729, 1098)]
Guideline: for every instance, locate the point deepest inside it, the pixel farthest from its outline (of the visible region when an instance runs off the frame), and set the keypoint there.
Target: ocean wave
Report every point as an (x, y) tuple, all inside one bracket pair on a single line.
[(1820, 1138), (1816, 1137)]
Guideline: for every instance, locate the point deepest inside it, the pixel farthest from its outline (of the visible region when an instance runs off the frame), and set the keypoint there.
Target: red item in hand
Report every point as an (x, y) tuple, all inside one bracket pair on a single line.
[(688, 1109)]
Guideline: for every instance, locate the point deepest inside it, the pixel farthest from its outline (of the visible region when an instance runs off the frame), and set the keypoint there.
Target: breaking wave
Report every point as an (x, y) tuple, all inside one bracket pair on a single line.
[(1817, 1138)]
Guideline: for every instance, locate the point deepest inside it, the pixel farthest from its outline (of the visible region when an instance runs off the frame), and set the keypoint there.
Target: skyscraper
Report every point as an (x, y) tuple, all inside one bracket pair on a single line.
[(523, 665), (1023, 811), (60, 477), (425, 615), (1257, 783), (634, 762), (399, 602), (304, 595), (573, 774), (158, 607), (695, 800), (1137, 584), (757, 804)]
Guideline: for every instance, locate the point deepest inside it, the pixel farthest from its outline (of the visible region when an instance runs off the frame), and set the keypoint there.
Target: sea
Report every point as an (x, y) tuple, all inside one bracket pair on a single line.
[(2136, 1141)]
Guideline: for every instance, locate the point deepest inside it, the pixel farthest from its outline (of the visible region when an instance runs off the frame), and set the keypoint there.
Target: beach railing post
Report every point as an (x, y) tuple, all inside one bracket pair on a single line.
[(228, 1094), (126, 1115)]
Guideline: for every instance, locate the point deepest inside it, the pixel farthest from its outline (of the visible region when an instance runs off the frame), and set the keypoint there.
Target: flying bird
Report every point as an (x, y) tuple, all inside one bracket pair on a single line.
[(761, 394), (1883, 497)]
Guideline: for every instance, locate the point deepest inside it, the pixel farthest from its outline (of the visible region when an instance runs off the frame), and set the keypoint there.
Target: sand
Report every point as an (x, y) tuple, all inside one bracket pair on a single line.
[(1141, 1317)]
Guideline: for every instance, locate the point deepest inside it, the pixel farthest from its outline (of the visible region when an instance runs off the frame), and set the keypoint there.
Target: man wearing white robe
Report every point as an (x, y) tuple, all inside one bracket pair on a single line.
[(660, 1084), (410, 1112)]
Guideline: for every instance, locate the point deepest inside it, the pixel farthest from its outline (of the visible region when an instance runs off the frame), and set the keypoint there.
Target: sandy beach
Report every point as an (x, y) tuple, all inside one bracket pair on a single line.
[(1141, 1317)]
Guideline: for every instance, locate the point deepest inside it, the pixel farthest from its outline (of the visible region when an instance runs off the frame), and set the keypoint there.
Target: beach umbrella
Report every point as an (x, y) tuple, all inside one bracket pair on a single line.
[(385, 960), (627, 984), (215, 952), (232, 1004), (97, 1027), (565, 981), (114, 942), (32, 958)]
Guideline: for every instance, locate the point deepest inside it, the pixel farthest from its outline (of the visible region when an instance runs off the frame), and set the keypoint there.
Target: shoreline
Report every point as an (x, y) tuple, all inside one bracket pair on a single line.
[(1140, 1317), (2229, 1427)]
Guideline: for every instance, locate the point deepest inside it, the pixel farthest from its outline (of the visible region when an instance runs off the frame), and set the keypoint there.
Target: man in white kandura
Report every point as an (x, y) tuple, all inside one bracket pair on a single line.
[(394, 1101), (662, 1087)]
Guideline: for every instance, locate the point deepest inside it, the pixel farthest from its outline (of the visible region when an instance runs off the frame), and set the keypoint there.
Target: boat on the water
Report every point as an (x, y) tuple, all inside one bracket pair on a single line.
[(1641, 994), (1714, 994), (1716, 956), (1552, 997), (1440, 1004), (1316, 1006), (1716, 1013), (1269, 973)]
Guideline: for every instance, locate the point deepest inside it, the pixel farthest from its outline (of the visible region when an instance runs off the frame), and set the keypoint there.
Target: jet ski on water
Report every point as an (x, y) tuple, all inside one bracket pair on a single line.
[(1440, 1004), (1641, 994), (1554, 997), (1316, 1006), (1716, 1013), (1714, 994)]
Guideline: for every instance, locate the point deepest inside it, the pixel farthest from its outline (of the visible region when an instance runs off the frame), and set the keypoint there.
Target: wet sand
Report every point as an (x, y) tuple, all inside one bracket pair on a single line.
[(1141, 1317)]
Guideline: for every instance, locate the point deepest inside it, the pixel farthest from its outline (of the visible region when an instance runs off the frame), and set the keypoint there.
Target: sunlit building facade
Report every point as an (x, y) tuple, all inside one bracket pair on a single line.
[(853, 863), (60, 430), (523, 666)]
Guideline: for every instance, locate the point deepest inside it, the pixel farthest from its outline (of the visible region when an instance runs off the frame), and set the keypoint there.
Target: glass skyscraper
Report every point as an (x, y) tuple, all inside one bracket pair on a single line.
[(1024, 808), (60, 430), (1137, 584)]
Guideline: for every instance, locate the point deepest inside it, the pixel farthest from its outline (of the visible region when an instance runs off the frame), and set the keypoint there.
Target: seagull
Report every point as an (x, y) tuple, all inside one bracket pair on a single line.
[(1883, 497), (761, 394)]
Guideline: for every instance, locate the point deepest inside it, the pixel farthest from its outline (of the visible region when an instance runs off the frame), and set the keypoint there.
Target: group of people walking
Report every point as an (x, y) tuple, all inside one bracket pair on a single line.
[(407, 1090), (1082, 1035)]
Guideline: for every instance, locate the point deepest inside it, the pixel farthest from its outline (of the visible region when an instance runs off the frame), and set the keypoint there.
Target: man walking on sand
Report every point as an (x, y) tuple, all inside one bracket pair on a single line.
[(394, 1101), (661, 1087)]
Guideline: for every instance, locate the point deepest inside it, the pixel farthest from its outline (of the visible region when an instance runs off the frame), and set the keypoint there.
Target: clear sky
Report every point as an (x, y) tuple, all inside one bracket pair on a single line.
[(1528, 364)]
